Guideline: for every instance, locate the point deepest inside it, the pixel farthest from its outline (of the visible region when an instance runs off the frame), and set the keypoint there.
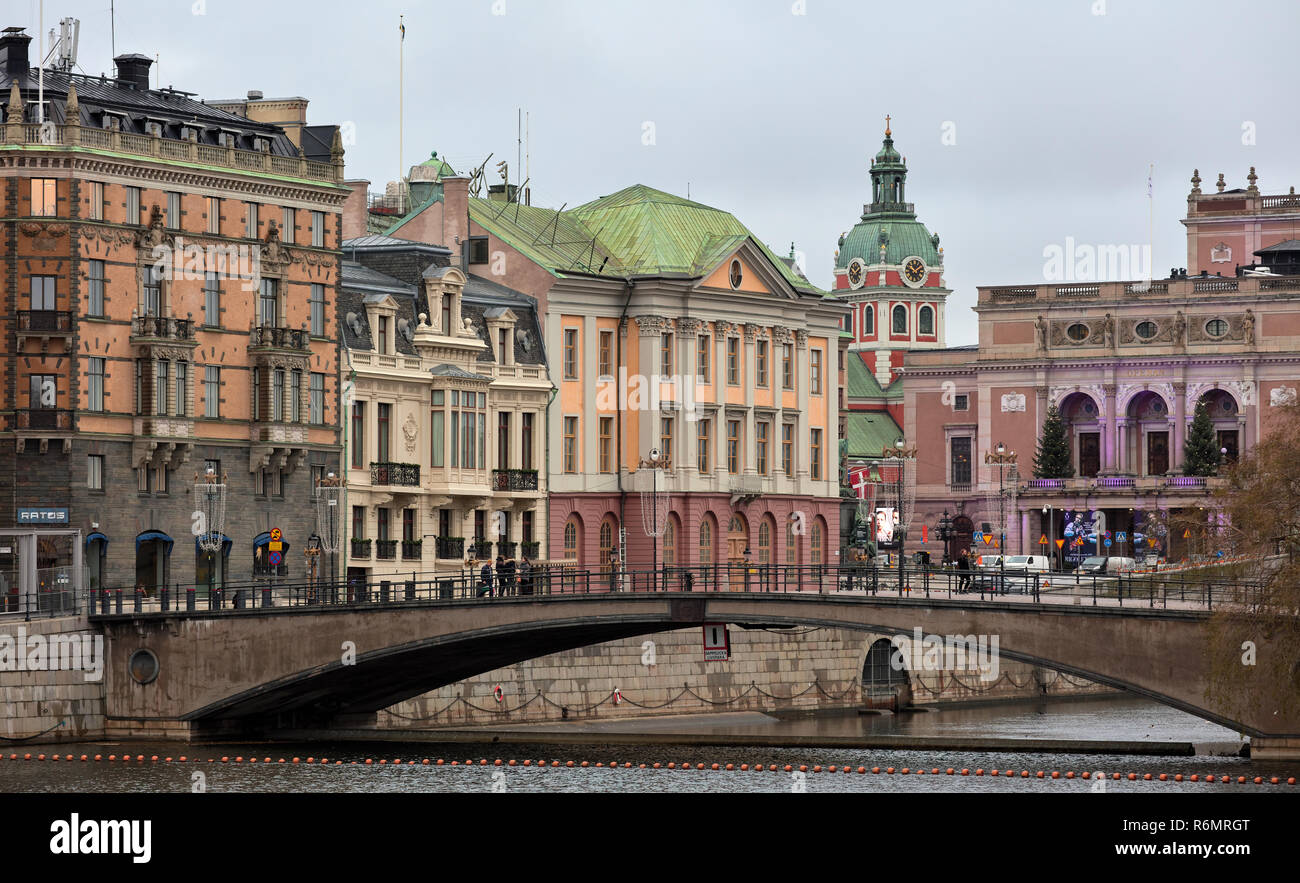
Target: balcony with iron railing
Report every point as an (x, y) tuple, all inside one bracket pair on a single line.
[(360, 549), (269, 337), (42, 420), (395, 474), (44, 324), (506, 548), (450, 548), (412, 550), (386, 550), (530, 548), (480, 549), (511, 480)]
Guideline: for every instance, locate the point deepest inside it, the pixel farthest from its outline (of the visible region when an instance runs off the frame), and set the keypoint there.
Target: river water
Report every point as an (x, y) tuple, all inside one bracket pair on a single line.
[(1096, 720)]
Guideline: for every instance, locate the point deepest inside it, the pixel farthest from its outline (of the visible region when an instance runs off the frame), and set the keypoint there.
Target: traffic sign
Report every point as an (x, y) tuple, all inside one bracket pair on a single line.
[(1042, 541), (1187, 533), (988, 538), (276, 536), (1108, 542), (717, 643), (977, 536), (1122, 537), (276, 559), (1060, 543)]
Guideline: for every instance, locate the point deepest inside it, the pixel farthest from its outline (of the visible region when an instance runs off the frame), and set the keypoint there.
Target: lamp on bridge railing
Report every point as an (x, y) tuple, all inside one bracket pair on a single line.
[(328, 521), (946, 535), (210, 502)]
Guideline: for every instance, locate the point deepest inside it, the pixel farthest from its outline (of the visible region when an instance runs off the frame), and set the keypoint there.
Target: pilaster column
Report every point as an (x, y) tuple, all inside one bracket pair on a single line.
[(1122, 427), (750, 379), (1106, 429), (1179, 436), (803, 438), (650, 361), (1110, 440), (589, 420)]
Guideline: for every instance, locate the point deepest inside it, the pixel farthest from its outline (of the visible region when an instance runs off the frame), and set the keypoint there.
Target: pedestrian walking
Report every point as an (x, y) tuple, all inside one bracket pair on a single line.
[(963, 571), (485, 580), (525, 577), (508, 586)]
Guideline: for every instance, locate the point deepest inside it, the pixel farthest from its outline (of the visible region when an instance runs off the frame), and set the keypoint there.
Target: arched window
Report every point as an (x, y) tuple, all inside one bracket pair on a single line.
[(670, 541), (571, 539), (817, 534), (925, 321), (765, 541), (706, 540), (607, 537), (900, 319), (869, 320), (791, 543)]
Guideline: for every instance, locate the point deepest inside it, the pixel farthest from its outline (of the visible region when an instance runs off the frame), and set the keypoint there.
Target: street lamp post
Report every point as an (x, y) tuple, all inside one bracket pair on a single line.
[(904, 497), (1049, 512), (1003, 458)]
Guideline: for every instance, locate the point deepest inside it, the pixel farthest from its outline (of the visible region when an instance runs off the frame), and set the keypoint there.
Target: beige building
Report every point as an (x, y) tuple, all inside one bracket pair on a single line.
[(445, 414)]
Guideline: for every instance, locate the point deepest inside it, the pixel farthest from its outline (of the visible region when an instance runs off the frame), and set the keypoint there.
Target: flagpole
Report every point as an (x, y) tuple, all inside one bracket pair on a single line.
[(1151, 259), (401, 97)]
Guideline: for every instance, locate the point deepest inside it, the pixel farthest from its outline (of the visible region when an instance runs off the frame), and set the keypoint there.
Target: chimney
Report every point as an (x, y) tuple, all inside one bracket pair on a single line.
[(254, 95), (133, 70), (13, 52)]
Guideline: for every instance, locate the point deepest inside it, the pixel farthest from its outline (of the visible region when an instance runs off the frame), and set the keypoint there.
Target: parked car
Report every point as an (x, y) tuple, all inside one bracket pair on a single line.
[(1099, 565), (1012, 573)]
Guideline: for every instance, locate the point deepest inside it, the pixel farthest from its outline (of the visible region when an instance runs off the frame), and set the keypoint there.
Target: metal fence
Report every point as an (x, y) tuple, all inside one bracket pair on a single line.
[(1176, 591)]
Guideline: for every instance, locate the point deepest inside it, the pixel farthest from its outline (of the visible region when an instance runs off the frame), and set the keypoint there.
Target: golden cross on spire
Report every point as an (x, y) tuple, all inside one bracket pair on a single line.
[(887, 119)]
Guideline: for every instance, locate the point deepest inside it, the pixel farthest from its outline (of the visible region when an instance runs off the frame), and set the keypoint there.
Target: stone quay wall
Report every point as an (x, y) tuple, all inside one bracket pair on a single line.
[(769, 671), (53, 706)]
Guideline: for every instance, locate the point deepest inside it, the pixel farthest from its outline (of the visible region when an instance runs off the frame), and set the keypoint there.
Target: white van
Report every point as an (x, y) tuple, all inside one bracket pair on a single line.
[(1099, 564)]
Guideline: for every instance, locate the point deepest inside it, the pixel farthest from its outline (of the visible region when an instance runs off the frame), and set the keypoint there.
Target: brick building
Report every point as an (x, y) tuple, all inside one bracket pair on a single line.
[(170, 280)]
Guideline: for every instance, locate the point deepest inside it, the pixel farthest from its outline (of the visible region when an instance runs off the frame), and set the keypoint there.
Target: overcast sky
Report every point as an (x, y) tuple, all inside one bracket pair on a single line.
[(1023, 123)]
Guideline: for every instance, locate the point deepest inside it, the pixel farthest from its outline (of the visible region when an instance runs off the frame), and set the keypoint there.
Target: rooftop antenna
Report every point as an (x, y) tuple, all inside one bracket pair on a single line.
[(519, 145), (112, 26), (528, 175), (40, 99)]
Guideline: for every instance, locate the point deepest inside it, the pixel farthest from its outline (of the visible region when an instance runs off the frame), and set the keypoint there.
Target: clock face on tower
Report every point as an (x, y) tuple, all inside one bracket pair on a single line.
[(914, 272), (857, 273)]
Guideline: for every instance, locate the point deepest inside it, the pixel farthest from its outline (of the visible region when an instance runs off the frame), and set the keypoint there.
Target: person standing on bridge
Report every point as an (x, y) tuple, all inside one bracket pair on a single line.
[(485, 582), (963, 571)]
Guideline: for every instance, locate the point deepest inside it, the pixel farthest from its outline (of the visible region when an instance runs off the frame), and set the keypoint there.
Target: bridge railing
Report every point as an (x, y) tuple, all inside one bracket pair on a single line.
[(1163, 591)]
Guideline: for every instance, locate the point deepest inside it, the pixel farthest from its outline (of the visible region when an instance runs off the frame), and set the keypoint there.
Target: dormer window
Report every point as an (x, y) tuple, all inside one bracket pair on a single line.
[(226, 139), (153, 128), (448, 309), (383, 335)]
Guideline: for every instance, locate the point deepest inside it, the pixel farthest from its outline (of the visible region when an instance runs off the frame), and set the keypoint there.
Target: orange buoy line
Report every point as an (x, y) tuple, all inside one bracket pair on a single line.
[(1038, 775)]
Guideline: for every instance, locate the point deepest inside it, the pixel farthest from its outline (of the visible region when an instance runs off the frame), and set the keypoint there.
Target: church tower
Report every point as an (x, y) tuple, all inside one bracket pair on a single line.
[(890, 269)]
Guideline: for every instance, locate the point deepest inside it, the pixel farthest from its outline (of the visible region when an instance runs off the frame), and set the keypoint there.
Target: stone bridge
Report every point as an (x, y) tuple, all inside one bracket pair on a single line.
[(256, 671)]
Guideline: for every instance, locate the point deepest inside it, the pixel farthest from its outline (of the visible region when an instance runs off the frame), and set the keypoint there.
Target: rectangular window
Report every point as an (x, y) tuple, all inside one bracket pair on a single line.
[(503, 337), (666, 438), (570, 354), (439, 429), (703, 348), (257, 394), (295, 396), (287, 224), (455, 438), (250, 222), (96, 390), (359, 435), (760, 362), (95, 200), (570, 444), (318, 229), (815, 462), (446, 315), (317, 304), (815, 371), (606, 443), (215, 467), (787, 366), (211, 300), (182, 389), (382, 518), (95, 472), (317, 403), (160, 388), (214, 215), (268, 312), (161, 480), (526, 441), (212, 392), (384, 418), (666, 354), (733, 447), (277, 396), (95, 288), (44, 203), (702, 446), (43, 391), (383, 335), (408, 525), (478, 250), (606, 366), (961, 461), (173, 219), (152, 290), (467, 440), (733, 361), (503, 440), (42, 297), (133, 205), (787, 449), (760, 446), (961, 403), (144, 480), (358, 522)]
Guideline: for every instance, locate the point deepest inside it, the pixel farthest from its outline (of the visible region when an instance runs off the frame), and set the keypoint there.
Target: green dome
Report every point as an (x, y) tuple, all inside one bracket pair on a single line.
[(903, 239), (444, 168)]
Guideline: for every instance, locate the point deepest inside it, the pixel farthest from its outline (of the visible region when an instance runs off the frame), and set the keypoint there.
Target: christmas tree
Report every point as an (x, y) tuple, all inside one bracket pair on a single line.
[(1053, 457), (1201, 455)]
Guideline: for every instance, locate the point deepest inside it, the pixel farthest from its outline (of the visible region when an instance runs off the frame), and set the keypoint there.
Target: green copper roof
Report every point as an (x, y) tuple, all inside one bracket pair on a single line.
[(903, 239), (444, 168), (638, 231), (860, 381), (870, 432)]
